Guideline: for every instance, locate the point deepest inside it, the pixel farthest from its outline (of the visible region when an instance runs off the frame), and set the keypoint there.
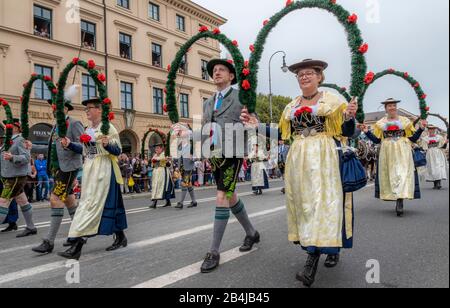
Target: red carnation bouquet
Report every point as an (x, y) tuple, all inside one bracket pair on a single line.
[(85, 138), (393, 128), (303, 110)]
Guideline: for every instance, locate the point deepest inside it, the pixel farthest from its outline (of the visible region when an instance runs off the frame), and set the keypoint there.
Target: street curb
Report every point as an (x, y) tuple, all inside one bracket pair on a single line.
[(46, 205)]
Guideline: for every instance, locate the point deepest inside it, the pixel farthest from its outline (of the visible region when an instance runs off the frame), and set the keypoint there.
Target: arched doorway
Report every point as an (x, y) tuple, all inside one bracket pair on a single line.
[(129, 142), (40, 136)]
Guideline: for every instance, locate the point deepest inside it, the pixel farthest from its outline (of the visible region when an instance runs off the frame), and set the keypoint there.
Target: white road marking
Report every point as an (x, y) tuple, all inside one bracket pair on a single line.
[(189, 271), (26, 273)]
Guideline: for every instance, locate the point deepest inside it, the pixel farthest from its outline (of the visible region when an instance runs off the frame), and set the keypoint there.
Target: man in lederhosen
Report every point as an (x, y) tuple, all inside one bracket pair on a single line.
[(15, 166), (221, 109), (64, 164)]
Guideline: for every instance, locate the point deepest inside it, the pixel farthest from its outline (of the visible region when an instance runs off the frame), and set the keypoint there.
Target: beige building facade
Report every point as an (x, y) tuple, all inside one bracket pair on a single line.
[(131, 41)]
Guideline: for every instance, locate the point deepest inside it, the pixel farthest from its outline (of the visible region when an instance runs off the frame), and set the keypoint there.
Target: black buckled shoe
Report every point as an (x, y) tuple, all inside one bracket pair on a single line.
[(45, 248), (211, 262), (249, 242), (179, 206), (332, 261), (119, 242), (68, 243), (168, 204), (27, 232), (400, 208), (193, 205), (11, 227), (308, 276), (74, 252)]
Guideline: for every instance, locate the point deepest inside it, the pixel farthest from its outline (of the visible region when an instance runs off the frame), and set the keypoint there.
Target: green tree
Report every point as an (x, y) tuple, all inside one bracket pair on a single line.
[(279, 103)]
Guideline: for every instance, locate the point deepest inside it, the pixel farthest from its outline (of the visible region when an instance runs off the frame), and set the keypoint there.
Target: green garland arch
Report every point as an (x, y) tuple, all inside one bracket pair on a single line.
[(355, 41), (166, 141), (232, 47), (371, 78), (341, 90), (99, 80), (25, 99), (9, 123)]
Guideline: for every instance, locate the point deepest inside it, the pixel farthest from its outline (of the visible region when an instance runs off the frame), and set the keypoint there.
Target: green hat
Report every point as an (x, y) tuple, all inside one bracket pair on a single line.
[(95, 100), (390, 101), (308, 63), (155, 140), (226, 63)]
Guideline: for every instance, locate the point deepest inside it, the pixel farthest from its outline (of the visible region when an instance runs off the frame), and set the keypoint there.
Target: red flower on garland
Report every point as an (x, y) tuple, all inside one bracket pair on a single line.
[(216, 31), (343, 89), (169, 67), (9, 126), (107, 101), (165, 109), (165, 90), (47, 78), (333, 1), (302, 110), (203, 29), (424, 96), (416, 85), (406, 75), (55, 91), (252, 48), (25, 85), (34, 75), (391, 70), (235, 43), (393, 128), (265, 22), (111, 116), (53, 107), (427, 108), (352, 19), (91, 64), (75, 61), (369, 78), (85, 138), (101, 77), (289, 2), (245, 72), (246, 63), (246, 85), (4, 103), (364, 48)]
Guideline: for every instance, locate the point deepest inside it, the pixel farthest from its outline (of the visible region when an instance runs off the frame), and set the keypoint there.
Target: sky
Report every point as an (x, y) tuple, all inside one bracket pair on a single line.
[(408, 35)]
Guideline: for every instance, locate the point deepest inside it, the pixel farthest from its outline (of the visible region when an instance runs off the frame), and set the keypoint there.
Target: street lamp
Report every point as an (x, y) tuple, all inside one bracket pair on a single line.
[(285, 69)]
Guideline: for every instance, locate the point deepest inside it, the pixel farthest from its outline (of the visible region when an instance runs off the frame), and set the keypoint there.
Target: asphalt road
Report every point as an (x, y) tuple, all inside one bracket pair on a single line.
[(166, 246)]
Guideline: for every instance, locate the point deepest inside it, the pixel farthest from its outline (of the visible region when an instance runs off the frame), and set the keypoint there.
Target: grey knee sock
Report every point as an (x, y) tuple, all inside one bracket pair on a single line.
[(191, 193), (27, 212), (72, 212), (3, 213), (220, 224), (55, 224), (183, 195), (241, 214)]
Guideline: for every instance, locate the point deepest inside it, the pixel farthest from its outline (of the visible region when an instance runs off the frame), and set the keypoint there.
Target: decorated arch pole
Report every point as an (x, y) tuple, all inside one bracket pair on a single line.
[(231, 46), (372, 77), (25, 99), (341, 90), (99, 79), (357, 46), (8, 125)]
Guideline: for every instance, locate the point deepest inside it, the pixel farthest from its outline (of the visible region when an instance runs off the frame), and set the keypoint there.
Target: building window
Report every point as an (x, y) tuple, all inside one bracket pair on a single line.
[(89, 88), (40, 88), (184, 65), (42, 22), (156, 55), (205, 75), (181, 23), (153, 11), (184, 105), (88, 34), (126, 95), (125, 46), (124, 3), (158, 101)]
